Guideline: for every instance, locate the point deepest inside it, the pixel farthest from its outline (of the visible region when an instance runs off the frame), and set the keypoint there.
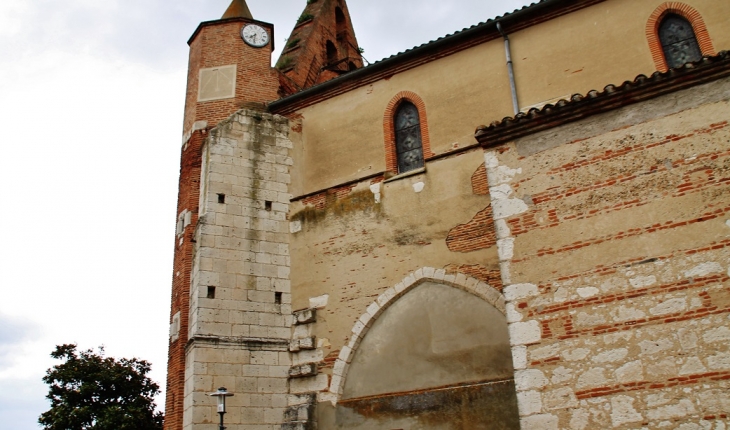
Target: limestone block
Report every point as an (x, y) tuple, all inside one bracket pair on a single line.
[(623, 412), (719, 361), (336, 385), (319, 302), (525, 333), (505, 208), (681, 409), (630, 372), (529, 403), (311, 356), (340, 368), (373, 309), (358, 328), (561, 374), (307, 343), (386, 297), (592, 378), (650, 347), (579, 419), (346, 354), (703, 269), (530, 379), (306, 316), (366, 319), (693, 365), (611, 356), (271, 385), (300, 399), (671, 306), (547, 351), (577, 354), (520, 291), (562, 398), (539, 422), (720, 334), (643, 281), (519, 357), (715, 401), (309, 385)]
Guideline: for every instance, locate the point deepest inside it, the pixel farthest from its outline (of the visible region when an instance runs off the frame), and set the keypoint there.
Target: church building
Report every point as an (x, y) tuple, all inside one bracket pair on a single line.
[(521, 225)]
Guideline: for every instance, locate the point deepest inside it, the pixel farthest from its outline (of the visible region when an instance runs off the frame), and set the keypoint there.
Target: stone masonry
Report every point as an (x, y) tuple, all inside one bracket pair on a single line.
[(612, 236), (241, 316)]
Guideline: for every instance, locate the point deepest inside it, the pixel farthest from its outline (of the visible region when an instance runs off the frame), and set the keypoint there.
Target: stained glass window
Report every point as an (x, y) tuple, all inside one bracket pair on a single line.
[(678, 41), (408, 144)]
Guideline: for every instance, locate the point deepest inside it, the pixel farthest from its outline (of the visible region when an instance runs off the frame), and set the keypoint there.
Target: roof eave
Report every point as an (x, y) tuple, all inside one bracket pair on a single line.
[(480, 33), (630, 92)]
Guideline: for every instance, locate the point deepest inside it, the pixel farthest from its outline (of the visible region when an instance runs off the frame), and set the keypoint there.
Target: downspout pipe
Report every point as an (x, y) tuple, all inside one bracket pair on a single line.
[(510, 69)]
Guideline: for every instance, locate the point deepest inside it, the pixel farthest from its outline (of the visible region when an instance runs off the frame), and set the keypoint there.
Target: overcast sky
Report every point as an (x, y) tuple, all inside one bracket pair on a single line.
[(91, 103)]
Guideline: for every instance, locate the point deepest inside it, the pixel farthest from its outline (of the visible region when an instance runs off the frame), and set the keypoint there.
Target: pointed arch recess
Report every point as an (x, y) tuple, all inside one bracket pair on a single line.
[(461, 281), (391, 157), (687, 12)]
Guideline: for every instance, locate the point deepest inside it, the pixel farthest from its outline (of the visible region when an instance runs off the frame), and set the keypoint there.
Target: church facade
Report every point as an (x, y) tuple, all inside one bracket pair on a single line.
[(524, 224)]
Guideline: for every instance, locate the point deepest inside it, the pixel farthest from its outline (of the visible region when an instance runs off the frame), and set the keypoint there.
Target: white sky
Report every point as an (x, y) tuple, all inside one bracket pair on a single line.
[(91, 103)]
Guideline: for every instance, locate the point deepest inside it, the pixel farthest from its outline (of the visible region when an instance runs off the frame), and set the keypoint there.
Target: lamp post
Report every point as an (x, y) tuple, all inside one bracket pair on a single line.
[(221, 395)]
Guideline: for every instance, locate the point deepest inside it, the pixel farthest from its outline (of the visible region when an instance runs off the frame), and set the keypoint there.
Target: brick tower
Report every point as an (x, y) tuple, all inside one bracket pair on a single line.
[(231, 317), (322, 45), (226, 73)]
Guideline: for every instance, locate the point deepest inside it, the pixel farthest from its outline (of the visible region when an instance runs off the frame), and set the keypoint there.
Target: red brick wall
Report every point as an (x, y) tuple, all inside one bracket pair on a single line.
[(215, 44), (304, 59), (188, 198), (620, 256), (220, 44)]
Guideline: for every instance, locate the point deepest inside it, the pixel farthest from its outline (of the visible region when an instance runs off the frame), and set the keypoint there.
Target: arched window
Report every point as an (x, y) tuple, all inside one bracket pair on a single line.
[(408, 144), (331, 52), (340, 20), (678, 40), (677, 34)]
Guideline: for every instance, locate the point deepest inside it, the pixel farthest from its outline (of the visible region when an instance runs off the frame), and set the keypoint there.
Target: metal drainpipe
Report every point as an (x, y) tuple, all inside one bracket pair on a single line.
[(510, 69)]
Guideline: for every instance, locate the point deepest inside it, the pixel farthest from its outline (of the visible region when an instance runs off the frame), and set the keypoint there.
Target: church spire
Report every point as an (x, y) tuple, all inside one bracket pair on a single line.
[(322, 45), (238, 9)]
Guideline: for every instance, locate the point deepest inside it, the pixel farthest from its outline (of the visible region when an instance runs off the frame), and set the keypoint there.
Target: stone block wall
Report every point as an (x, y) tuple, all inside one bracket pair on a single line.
[(613, 236), (240, 304)]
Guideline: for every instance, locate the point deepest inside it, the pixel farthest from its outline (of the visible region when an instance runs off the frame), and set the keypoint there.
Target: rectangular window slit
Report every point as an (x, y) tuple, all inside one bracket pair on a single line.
[(211, 292), (277, 298), (221, 198), (268, 205)]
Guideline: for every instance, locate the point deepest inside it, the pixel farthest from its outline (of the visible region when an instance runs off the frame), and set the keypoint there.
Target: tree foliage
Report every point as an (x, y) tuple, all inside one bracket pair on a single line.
[(91, 392)]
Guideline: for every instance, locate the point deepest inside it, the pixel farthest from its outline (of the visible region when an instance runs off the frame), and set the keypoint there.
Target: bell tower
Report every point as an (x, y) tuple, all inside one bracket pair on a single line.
[(229, 69)]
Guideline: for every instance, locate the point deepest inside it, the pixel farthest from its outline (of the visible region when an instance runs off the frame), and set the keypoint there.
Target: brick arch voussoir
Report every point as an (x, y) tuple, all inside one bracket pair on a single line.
[(427, 274), (687, 12), (391, 160)]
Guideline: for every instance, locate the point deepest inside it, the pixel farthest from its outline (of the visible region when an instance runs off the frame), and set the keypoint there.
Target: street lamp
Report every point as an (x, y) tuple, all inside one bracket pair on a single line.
[(221, 395)]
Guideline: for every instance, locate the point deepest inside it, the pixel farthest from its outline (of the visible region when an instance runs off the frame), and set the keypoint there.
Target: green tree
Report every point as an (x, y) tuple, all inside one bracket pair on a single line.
[(89, 391)]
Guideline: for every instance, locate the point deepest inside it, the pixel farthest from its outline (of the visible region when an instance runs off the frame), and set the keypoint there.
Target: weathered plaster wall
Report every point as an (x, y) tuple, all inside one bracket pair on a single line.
[(354, 243), (613, 243), (593, 47), (585, 50), (240, 301)]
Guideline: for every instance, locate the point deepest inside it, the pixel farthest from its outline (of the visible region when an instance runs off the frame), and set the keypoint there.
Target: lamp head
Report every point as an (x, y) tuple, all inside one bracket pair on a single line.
[(221, 395)]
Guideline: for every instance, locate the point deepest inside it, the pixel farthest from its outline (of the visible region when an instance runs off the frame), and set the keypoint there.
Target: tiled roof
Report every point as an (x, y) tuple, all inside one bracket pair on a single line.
[(612, 96), (456, 33), (513, 21)]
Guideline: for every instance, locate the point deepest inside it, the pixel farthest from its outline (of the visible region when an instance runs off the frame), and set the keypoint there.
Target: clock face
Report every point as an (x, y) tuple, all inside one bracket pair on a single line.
[(255, 35)]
